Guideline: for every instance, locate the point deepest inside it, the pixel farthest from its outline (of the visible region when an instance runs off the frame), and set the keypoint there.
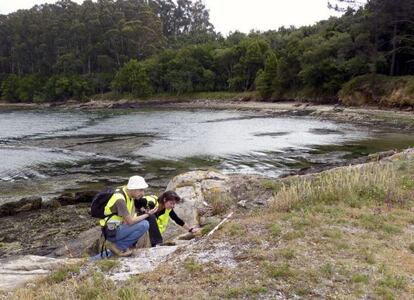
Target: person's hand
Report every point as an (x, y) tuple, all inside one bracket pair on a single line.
[(152, 211), (194, 229)]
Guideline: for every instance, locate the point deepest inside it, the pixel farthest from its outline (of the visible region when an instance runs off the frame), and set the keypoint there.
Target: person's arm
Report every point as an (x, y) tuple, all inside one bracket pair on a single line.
[(129, 219), (178, 221)]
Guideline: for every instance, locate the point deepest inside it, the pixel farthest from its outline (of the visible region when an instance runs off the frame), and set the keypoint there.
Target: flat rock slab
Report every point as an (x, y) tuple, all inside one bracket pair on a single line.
[(14, 273), (144, 260)]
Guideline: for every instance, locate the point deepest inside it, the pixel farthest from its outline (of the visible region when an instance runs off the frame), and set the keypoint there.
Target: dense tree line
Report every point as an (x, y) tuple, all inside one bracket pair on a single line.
[(65, 50)]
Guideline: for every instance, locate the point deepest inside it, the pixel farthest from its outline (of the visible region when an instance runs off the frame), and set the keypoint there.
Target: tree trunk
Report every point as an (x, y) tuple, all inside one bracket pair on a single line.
[(89, 64), (394, 50), (374, 70)]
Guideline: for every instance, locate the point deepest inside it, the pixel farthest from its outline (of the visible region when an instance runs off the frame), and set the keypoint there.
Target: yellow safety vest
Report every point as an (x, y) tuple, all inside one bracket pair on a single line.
[(162, 221), (111, 202)]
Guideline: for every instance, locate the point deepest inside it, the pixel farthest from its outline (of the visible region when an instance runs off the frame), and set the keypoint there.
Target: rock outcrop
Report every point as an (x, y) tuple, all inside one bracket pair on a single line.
[(73, 199), (144, 260), (87, 243), (15, 273), (194, 188), (24, 204)]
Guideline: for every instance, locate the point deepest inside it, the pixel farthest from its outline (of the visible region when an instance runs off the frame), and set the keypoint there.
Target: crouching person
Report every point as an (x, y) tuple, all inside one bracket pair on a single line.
[(160, 210), (122, 228)]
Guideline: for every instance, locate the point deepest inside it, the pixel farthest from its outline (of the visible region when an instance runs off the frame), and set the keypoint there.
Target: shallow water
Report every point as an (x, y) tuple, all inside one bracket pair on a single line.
[(48, 152)]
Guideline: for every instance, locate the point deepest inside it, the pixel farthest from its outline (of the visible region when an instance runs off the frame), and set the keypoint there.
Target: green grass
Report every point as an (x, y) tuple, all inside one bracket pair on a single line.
[(360, 278), (368, 256), (132, 293), (273, 185), (327, 270), (275, 230), (293, 235), (95, 286), (379, 223), (234, 229), (281, 271), (248, 290), (286, 253), (394, 282), (192, 266), (64, 273), (107, 264)]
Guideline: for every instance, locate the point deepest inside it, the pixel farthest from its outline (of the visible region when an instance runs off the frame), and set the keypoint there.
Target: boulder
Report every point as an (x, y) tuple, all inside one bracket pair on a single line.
[(193, 187), (16, 272), (85, 197), (190, 178), (24, 204), (66, 199), (52, 204), (78, 197), (86, 243)]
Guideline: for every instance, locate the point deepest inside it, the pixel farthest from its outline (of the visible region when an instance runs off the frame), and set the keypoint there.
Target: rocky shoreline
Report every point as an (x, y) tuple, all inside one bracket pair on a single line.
[(36, 227), (62, 226), (65, 228), (366, 115), (47, 228)]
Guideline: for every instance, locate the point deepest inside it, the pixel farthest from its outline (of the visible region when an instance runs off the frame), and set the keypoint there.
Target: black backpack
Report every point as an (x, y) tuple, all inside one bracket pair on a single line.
[(101, 199), (98, 210)]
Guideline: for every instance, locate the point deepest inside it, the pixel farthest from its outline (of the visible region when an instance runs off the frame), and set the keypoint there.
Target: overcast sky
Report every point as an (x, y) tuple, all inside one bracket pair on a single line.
[(231, 15)]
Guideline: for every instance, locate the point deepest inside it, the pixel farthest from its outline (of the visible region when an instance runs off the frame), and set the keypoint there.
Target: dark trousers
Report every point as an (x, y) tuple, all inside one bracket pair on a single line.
[(154, 232)]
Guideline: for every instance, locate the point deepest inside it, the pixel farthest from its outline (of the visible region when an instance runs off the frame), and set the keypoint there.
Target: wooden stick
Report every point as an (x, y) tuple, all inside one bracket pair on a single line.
[(219, 224)]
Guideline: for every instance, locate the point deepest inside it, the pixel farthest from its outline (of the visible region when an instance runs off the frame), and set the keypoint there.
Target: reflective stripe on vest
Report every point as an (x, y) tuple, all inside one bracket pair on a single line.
[(111, 202), (162, 220)]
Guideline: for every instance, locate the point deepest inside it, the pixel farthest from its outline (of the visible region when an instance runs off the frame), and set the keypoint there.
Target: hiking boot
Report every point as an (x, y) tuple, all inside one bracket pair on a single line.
[(116, 251)]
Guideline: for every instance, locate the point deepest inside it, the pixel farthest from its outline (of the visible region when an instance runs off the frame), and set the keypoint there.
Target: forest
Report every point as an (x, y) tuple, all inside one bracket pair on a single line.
[(61, 51)]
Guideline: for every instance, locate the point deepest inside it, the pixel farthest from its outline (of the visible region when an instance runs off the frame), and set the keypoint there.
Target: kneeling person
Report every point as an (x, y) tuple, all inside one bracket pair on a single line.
[(122, 227), (164, 210)]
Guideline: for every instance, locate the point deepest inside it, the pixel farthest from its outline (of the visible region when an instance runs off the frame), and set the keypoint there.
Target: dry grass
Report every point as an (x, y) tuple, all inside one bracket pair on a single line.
[(355, 186), (219, 202)]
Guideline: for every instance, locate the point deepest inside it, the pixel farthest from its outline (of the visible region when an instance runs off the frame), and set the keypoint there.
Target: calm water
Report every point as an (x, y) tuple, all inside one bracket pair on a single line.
[(54, 151)]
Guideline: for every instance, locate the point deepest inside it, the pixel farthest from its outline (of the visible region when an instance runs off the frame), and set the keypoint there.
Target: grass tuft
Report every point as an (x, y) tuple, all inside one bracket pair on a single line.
[(275, 230), (218, 201), (63, 273), (192, 266), (356, 187), (282, 271), (107, 264), (360, 278)]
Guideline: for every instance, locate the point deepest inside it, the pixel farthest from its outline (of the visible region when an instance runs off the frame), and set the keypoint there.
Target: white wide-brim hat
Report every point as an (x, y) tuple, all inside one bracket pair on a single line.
[(136, 183)]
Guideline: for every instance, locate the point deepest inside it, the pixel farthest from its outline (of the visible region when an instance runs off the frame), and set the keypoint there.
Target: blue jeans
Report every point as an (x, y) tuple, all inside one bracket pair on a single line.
[(128, 235)]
